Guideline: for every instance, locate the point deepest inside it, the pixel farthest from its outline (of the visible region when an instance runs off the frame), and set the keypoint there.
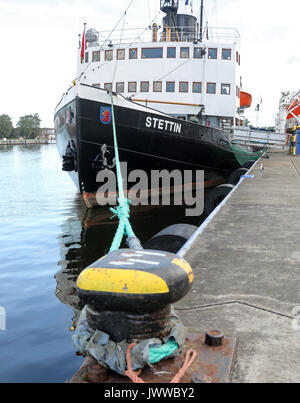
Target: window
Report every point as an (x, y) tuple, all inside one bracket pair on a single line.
[(96, 56), (183, 86), (226, 54), (211, 88), (108, 87), (237, 57), (120, 88), (132, 87), (97, 85), (144, 86), (225, 89), (152, 53), (212, 53), (184, 53), (86, 59), (170, 86), (157, 86), (133, 53), (121, 54), (197, 87), (171, 53), (108, 55), (198, 53), (237, 91)]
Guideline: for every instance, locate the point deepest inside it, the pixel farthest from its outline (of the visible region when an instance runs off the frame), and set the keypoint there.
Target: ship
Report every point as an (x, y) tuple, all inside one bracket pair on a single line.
[(176, 93)]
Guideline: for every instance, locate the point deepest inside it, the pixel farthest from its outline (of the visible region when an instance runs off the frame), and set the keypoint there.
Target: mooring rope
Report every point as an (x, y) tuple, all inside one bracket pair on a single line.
[(134, 376), (123, 210)]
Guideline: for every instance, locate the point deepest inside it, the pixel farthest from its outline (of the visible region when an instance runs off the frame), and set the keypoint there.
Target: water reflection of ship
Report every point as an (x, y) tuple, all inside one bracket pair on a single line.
[(70, 244), (83, 240), (87, 235)]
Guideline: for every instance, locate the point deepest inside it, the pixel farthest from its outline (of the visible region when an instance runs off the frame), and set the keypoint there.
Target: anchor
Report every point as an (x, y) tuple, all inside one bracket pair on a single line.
[(101, 161), (70, 158)]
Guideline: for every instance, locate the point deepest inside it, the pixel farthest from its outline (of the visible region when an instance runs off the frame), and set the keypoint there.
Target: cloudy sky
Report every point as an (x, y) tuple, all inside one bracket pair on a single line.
[(39, 41)]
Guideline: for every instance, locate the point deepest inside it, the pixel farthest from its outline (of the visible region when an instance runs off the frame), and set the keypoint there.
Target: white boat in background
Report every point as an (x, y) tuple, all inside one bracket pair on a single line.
[(288, 115)]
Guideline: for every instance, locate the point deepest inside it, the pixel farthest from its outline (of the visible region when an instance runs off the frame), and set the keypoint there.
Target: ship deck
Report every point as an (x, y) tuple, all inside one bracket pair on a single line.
[(247, 273)]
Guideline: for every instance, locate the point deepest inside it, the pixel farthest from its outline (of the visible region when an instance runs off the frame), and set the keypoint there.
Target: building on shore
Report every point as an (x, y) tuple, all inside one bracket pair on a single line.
[(47, 134)]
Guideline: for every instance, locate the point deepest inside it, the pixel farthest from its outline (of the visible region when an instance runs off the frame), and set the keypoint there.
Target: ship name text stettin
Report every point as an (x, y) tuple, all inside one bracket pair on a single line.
[(163, 124)]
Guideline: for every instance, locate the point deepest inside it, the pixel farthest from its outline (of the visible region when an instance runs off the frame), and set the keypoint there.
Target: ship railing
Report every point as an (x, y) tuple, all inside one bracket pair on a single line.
[(175, 34), (222, 35), (253, 136)]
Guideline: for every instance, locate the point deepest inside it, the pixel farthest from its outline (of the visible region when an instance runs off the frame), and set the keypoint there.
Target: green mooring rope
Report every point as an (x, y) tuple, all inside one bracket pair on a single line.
[(123, 210)]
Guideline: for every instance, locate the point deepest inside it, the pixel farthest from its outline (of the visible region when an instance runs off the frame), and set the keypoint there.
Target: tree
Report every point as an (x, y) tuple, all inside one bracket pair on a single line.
[(6, 126), (29, 126)]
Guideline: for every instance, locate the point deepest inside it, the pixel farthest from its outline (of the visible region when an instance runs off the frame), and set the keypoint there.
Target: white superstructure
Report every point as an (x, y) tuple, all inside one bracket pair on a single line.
[(172, 69)]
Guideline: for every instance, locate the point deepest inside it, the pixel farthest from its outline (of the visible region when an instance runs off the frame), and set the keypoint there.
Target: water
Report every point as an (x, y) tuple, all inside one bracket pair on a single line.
[(47, 237)]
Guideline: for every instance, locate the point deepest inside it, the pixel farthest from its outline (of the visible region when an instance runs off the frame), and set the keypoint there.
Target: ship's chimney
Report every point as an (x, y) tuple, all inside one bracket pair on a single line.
[(154, 32), (179, 22), (186, 21)]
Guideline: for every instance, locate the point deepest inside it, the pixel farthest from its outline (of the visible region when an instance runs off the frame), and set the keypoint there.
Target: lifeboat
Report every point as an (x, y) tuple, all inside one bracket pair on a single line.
[(293, 109), (245, 100)]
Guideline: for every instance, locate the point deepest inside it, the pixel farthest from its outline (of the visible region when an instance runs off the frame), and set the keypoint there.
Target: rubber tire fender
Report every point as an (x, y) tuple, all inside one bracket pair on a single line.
[(236, 175), (215, 197), (172, 238), (248, 164)]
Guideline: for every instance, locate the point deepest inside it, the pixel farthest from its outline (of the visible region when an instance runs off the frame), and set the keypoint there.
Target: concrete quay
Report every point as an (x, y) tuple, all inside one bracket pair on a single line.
[(246, 263), (22, 142)]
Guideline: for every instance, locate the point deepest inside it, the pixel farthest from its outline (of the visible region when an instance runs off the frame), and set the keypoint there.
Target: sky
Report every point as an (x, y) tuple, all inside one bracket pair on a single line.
[(39, 42)]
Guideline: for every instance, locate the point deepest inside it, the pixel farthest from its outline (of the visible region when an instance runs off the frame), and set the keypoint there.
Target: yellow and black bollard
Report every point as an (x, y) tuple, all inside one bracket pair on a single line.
[(129, 293), (128, 323), (294, 140)]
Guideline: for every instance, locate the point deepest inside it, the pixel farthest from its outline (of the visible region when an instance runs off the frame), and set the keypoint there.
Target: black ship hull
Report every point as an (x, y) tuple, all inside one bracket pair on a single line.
[(147, 140)]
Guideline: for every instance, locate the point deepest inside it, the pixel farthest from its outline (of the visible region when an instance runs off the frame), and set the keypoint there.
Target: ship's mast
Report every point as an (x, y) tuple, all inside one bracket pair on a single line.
[(170, 8), (201, 21)]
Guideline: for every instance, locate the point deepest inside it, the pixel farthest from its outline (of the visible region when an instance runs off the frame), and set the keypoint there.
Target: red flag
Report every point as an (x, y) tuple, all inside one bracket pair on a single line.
[(83, 44)]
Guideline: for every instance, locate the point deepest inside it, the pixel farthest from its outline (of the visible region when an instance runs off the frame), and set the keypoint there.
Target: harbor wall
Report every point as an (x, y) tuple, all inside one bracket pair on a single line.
[(16, 142)]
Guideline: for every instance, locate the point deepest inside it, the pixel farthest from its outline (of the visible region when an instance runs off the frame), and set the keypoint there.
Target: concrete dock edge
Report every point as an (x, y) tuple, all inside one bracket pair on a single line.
[(246, 262)]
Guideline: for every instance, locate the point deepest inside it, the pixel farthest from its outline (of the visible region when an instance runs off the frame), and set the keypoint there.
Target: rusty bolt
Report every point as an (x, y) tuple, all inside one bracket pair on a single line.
[(97, 374), (214, 338)]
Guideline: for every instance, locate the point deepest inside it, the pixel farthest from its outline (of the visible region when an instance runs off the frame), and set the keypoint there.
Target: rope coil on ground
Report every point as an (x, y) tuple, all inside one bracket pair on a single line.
[(134, 376)]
